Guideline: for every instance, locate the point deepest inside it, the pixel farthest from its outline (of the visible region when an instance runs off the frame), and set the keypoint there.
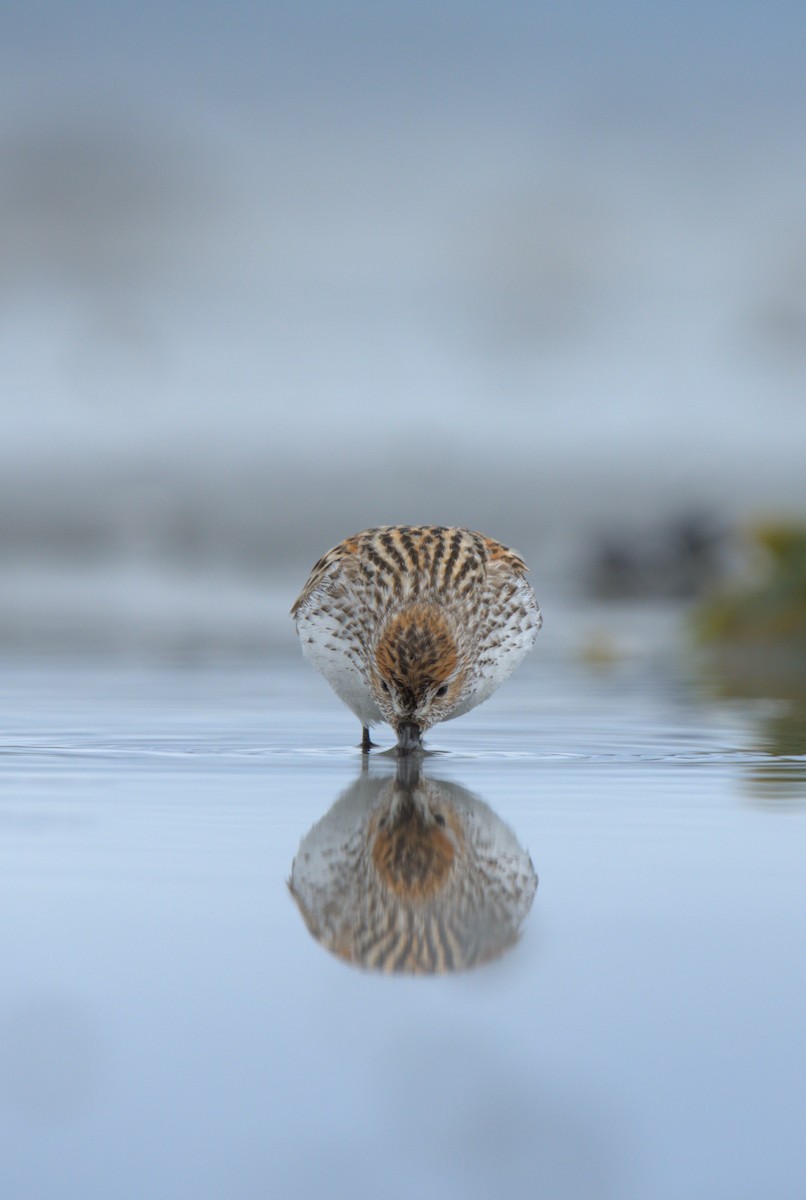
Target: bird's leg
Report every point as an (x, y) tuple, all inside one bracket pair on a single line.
[(366, 742)]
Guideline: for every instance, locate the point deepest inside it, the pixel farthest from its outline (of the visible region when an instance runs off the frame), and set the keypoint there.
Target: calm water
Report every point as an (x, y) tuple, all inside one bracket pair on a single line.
[(169, 1027)]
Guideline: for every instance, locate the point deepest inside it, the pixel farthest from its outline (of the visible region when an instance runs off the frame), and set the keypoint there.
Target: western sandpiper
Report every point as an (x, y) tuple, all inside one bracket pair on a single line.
[(415, 624)]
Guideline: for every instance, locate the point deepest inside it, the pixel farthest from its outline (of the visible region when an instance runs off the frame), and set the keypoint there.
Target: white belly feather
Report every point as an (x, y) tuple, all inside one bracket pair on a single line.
[(336, 657), (503, 646)]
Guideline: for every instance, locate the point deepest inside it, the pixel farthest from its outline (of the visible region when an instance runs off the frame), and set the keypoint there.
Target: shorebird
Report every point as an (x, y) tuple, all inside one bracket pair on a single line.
[(415, 624)]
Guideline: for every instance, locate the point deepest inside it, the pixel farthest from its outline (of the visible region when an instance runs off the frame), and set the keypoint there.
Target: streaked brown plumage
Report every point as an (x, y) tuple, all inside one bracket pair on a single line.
[(415, 624), (412, 875)]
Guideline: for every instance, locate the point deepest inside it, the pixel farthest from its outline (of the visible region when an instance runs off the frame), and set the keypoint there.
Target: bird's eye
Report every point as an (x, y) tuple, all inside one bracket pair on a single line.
[(384, 686), (440, 820), (442, 691)]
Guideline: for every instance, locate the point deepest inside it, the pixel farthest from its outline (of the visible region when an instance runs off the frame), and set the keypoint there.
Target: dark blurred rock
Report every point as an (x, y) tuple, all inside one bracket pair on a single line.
[(680, 558)]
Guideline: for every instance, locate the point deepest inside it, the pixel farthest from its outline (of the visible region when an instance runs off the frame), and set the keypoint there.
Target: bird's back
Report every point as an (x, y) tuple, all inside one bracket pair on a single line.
[(392, 564)]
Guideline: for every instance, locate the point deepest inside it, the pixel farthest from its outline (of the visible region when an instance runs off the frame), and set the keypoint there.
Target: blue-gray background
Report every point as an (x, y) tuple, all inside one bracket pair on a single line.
[(270, 274)]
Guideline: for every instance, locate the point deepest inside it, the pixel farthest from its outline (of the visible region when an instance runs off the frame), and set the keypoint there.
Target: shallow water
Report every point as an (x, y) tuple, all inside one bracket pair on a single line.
[(169, 1027)]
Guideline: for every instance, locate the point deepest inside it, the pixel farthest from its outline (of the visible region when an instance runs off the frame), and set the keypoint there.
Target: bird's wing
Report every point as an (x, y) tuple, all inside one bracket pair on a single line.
[(335, 568)]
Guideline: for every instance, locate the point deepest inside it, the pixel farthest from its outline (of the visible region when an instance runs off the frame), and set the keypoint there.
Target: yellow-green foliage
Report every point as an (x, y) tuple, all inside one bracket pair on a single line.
[(772, 608)]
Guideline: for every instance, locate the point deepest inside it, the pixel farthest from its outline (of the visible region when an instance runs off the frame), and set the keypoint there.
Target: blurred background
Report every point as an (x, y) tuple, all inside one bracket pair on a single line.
[(270, 274), (273, 273)]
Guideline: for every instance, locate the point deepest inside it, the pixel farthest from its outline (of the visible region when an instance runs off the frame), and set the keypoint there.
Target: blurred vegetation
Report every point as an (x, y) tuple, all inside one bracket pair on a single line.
[(771, 608), (755, 630)]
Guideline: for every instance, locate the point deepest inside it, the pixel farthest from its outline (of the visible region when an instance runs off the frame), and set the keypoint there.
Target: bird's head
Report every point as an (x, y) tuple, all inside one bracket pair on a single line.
[(417, 673)]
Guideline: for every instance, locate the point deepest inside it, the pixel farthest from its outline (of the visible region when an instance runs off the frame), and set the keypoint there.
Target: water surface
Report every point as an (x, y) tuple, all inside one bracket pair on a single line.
[(169, 1027)]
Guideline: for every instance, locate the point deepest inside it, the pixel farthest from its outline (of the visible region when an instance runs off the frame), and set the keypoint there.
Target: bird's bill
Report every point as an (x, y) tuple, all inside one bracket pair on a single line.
[(408, 737)]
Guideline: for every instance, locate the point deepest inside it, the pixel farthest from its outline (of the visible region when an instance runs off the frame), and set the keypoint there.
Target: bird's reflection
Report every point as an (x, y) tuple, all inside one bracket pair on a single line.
[(414, 875)]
